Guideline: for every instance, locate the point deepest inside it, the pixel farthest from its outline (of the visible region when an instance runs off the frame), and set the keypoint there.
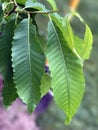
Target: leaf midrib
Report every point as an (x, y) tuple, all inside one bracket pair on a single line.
[(29, 55)]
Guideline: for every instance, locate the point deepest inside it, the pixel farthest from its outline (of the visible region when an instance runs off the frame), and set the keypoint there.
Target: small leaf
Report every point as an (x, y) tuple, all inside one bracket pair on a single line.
[(35, 5), (21, 1), (84, 46), (8, 7), (45, 84), (88, 40), (53, 4), (66, 72), (28, 63)]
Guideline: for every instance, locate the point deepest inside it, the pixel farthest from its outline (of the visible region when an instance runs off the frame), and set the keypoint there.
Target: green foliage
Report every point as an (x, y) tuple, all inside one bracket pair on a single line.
[(23, 52)]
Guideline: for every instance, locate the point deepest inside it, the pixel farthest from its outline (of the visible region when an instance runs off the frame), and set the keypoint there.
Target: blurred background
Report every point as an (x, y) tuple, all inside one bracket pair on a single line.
[(16, 117)]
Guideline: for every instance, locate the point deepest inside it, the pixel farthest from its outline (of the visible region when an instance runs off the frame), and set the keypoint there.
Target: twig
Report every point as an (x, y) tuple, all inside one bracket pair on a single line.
[(35, 12)]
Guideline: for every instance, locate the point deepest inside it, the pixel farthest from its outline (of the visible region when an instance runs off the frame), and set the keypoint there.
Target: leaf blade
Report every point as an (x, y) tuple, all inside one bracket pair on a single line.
[(66, 72), (28, 63)]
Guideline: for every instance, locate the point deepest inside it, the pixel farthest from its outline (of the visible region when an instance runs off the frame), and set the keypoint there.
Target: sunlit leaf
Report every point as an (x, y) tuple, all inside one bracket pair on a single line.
[(66, 72)]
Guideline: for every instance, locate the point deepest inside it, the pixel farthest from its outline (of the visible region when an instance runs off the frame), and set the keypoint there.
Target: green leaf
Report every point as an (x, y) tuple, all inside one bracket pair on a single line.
[(66, 72), (88, 40), (84, 46), (5, 50), (53, 4), (35, 5), (5, 0), (21, 1), (8, 7), (45, 84), (28, 63), (9, 93)]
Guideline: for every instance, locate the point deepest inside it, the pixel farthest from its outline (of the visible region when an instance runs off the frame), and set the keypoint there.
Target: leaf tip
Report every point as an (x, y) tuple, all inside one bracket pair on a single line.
[(68, 120)]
